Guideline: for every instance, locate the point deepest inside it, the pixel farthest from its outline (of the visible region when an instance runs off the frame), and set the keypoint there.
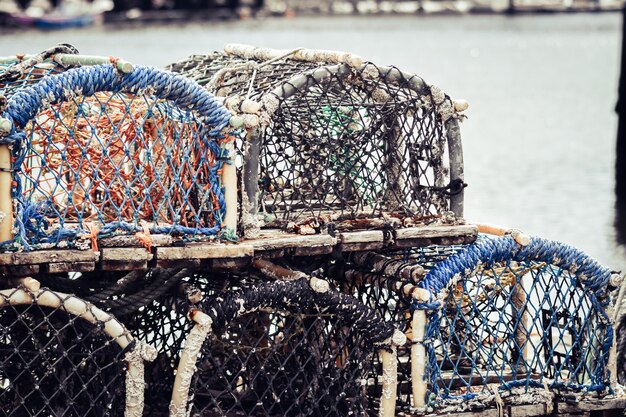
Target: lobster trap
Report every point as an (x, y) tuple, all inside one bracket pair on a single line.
[(94, 154), (331, 136)]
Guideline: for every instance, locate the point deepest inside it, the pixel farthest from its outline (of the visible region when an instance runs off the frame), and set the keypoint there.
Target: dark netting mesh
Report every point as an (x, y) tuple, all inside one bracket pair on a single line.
[(163, 323), (282, 349), (335, 139), (154, 307), (53, 363), (353, 141)]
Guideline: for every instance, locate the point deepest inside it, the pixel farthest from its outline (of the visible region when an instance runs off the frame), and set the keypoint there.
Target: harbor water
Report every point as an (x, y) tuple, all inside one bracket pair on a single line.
[(539, 140)]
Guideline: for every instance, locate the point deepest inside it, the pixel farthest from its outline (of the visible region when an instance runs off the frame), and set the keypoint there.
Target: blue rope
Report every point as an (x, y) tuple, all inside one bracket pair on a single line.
[(489, 251), (86, 81)]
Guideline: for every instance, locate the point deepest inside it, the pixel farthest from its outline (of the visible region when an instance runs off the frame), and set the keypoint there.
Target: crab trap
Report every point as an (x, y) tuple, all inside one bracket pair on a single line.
[(272, 233)]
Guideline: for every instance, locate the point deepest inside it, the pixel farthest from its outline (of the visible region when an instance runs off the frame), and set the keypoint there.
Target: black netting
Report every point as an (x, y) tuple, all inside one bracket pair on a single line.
[(296, 353), (53, 363), (335, 139), (353, 142), (277, 364)]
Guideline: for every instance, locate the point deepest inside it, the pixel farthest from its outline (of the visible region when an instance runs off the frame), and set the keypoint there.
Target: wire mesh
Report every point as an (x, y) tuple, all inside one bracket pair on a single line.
[(55, 363)]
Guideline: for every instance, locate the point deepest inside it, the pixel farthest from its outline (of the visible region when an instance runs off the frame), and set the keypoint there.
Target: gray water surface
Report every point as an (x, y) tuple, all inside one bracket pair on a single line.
[(540, 137)]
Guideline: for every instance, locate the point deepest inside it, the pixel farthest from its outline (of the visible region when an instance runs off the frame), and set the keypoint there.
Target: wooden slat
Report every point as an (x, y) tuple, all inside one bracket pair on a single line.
[(289, 241), (363, 240), (589, 404), (46, 256), (126, 254), (313, 251), (125, 259), (59, 267), (132, 241), (205, 251), (427, 232)]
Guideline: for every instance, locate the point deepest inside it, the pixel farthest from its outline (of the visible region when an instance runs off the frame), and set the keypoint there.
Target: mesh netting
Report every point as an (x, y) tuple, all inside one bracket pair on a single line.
[(116, 152), (307, 353), (59, 356), (342, 139), (163, 322), (515, 317)]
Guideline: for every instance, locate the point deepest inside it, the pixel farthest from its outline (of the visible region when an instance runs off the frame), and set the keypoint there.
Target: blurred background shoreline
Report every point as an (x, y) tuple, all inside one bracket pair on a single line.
[(55, 14)]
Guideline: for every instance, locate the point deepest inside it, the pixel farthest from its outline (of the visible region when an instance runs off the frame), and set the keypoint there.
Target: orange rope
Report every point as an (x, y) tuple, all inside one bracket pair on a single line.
[(144, 237), (93, 235), (90, 159)]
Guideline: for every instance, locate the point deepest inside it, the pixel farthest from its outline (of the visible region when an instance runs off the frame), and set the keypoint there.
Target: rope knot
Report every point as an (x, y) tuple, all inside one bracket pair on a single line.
[(92, 235)]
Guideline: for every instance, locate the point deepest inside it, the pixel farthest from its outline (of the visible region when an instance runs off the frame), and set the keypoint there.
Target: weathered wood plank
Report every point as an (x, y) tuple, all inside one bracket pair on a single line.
[(288, 241), (205, 251), (46, 256), (126, 255), (59, 267), (426, 232), (133, 241), (592, 404), (313, 251), (363, 240), (125, 259), (364, 236)]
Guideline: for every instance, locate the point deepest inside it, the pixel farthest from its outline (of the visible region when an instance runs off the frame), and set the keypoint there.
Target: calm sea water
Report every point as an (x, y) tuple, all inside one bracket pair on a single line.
[(539, 141)]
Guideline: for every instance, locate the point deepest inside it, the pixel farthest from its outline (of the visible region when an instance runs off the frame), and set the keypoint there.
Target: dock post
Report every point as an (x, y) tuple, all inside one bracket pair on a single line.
[(620, 154)]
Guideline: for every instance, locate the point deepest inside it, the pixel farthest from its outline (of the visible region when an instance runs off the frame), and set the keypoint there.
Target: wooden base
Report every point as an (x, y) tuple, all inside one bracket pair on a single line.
[(126, 253), (606, 407)]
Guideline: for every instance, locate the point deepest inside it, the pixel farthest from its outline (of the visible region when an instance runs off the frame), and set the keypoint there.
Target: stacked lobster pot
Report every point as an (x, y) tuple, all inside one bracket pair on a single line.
[(269, 233)]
